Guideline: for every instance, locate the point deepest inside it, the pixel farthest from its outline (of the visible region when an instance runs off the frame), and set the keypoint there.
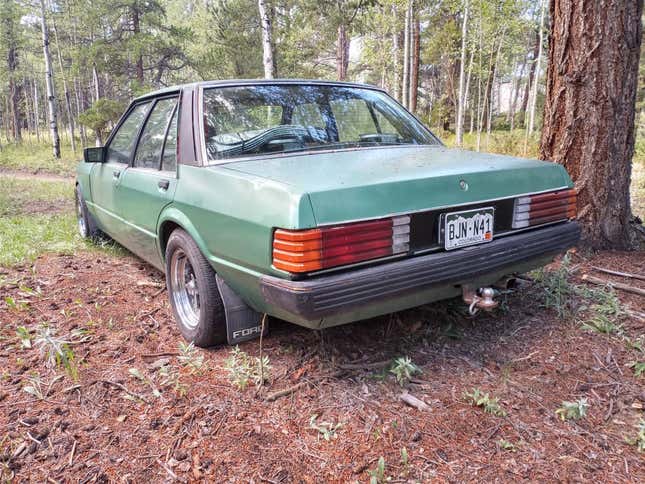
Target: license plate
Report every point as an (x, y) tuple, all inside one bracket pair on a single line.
[(469, 227)]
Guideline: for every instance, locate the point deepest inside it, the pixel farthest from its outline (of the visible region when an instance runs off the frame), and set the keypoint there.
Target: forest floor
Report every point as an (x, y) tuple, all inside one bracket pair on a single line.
[(129, 401)]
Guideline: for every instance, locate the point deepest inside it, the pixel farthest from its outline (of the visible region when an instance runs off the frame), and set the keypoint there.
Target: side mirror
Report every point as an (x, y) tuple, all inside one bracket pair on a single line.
[(94, 155)]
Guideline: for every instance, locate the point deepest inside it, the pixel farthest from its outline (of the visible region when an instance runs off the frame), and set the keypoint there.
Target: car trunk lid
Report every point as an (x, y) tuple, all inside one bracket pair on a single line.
[(359, 184)]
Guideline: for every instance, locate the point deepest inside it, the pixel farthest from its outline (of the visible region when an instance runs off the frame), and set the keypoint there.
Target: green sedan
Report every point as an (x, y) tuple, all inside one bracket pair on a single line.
[(320, 203)]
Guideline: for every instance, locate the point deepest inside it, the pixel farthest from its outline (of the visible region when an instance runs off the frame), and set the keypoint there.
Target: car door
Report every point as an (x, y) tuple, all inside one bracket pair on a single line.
[(148, 185), (105, 177)]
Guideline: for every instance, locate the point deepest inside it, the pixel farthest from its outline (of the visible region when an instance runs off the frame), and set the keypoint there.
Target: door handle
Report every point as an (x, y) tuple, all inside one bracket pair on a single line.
[(163, 184), (116, 174)]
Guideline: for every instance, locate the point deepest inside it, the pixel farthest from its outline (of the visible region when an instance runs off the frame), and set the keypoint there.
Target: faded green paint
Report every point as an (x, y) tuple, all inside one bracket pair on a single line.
[(231, 209)]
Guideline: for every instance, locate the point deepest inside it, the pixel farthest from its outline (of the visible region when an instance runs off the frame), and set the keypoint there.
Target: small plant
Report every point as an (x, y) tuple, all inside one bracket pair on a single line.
[(24, 336), (506, 445), (638, 367), (190, 357), (639, 440), (635, 344), (136, 373), (403, 369), (326, 430), (35, 388), (600, 323), (556, 287), (477, 398), (573, 410), (56, 351), (243, 369), (405, 458), (170, 377), (377, 475), (15, 305)]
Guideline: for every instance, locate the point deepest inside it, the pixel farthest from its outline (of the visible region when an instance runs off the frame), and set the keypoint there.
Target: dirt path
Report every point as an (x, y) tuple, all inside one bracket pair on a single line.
[(25, 175), (139, 410)]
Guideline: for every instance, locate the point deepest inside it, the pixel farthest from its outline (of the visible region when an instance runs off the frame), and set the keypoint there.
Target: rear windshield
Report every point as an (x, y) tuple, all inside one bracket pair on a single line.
[(267, 119)]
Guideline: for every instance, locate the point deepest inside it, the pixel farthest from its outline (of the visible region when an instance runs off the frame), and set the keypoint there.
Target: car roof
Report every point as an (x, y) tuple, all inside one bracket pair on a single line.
[(254, 82)]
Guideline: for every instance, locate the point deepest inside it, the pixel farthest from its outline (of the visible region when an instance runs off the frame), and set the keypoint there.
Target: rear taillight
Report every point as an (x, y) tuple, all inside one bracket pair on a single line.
[(544, 208), (311, 250)]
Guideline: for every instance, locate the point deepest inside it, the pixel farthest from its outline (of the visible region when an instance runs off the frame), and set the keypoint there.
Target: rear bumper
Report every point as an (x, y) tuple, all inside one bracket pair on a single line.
[(328, 295)]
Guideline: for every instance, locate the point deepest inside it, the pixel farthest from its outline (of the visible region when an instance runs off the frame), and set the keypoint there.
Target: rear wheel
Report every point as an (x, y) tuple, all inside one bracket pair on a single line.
[(192, 288), (85, 223)]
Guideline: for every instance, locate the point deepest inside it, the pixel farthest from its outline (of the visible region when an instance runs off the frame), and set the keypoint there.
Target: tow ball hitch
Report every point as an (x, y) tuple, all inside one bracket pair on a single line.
[(477, 299)]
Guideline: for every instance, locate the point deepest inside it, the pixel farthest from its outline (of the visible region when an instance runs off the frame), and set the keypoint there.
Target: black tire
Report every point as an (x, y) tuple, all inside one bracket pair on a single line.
[(192, 290), (85, 223)]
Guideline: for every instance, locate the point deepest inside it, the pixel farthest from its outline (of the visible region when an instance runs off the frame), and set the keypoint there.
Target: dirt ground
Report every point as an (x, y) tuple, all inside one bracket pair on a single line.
[(121, 420)]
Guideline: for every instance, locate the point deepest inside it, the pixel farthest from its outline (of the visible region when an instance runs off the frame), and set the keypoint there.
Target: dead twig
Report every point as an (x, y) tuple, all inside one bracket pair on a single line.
[(283, 393), (159, 355), (169, 471), (122, 387), (71, 454), (617, 285), (365, 366), (618, 273)]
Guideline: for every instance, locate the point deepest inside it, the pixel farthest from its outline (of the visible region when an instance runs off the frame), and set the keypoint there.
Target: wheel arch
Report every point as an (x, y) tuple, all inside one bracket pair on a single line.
[(170, 220)]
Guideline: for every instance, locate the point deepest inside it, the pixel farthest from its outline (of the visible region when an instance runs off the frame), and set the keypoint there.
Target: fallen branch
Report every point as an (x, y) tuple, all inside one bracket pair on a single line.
[(159, 355), (413, 401), (617, 285), (364, 366), (617, 273), (122, 387), (283, 393)]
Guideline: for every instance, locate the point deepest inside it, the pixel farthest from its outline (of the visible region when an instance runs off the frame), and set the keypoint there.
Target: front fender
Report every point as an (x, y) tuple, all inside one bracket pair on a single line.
[(83, 171)]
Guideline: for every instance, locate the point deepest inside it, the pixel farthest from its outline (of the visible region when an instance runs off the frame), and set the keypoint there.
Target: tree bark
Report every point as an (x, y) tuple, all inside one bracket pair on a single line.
[(536, 77), (68, 103), (529, 82), (267, 41), (406, 55), (49, 83), (462, 73), (396, 57), (342, 53), (136, 28), (414, 65), (592, 81)]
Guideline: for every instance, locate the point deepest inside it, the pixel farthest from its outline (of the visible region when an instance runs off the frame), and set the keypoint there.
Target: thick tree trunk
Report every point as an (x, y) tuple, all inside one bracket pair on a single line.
[(592, 80), (267, 41), (49, 83), (462, 82), (414, 65), (342, 53)]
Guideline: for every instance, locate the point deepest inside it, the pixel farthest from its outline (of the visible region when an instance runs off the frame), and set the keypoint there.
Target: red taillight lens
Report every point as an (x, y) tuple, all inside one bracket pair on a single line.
[(544, 208), (315, 249)]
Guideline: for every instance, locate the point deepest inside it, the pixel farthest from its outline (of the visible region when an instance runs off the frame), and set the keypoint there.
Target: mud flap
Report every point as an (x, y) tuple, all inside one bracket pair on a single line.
[(242, 322)]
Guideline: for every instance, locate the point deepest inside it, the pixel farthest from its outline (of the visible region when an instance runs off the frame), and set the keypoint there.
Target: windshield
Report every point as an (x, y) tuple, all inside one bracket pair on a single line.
[(280, 118)]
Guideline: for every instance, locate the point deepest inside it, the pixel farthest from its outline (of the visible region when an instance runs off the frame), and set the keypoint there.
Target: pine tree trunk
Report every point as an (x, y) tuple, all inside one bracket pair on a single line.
[(267, 41), (406, 55), (136, 29), (592, 81), (536, 78), (68, 104), (462, 73), (342, 53), (529, 82), (49, 83), (414, 65), (396, 58)]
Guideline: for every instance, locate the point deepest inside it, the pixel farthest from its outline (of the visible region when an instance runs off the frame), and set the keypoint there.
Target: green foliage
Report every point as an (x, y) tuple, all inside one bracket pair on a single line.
[(491, 405), (573, 410), (403, 369), (243, 369), (638, 367), (557, 291), (639, 439), (326, 430), (191, 358), (24, 336), (506, 445), (56, 351), (377, 475), (102, 114)]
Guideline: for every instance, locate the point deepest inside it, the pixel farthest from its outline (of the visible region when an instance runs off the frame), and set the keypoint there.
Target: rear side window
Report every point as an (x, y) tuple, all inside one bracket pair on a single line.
[(151, 143), (169, 159), (122, 144)]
